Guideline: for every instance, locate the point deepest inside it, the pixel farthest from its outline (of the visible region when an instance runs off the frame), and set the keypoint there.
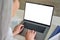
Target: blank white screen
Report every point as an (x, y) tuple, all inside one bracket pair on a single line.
[(38, 13)]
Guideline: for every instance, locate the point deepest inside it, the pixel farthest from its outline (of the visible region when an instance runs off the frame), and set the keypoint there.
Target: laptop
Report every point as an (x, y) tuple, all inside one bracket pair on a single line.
[(37, 17)]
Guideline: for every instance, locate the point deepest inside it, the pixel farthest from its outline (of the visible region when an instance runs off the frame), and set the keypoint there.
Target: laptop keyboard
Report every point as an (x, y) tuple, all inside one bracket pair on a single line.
[(37, 28)]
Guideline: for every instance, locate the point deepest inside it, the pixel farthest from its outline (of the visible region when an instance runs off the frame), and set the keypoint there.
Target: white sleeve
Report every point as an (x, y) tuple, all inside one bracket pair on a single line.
[(9, 35)]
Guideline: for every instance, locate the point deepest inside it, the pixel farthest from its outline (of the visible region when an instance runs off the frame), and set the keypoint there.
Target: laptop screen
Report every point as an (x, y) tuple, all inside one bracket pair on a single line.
[(38, 13)]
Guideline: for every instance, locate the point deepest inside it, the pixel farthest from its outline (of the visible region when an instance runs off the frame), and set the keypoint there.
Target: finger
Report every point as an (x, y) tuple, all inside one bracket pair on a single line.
[(33, 31), (21, 25), (35, 35), (22, 28), (27, 31)]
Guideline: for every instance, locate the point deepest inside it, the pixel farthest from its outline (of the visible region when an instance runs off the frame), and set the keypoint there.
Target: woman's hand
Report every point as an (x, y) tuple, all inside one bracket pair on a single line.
[(30, 35), (18, 29)]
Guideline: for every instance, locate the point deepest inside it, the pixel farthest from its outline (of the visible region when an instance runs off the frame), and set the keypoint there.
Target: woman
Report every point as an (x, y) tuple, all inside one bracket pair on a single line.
[(30, 34)]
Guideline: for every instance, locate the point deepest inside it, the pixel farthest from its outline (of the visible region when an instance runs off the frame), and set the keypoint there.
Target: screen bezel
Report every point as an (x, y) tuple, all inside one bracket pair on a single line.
[(39, 4)]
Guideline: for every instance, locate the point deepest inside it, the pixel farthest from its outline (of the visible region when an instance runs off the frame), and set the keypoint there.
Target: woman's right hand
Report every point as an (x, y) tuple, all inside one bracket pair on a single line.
[(30, 35), (18, 29)]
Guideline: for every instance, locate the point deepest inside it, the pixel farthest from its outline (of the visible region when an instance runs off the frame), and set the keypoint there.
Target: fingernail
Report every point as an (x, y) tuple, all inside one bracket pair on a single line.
[(21, 27)]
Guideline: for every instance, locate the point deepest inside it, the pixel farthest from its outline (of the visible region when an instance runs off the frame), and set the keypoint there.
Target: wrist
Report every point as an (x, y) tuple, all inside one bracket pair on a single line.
[(30, 39), (14, 33)]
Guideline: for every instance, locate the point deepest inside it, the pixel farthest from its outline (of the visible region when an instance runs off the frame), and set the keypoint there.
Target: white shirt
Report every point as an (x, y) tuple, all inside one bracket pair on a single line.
[(14, 21)]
